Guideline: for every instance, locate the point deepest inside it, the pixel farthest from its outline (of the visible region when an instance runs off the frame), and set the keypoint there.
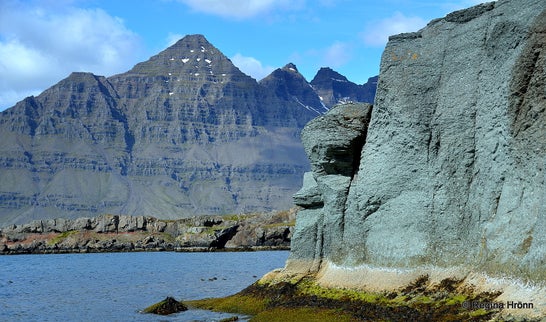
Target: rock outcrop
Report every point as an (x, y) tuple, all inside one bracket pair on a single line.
[(333, 143), (450, 182), (113, 233), (168, 306)]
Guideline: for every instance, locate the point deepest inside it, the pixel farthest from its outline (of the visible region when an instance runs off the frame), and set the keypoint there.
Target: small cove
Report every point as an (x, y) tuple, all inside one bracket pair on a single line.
[(116, 286)]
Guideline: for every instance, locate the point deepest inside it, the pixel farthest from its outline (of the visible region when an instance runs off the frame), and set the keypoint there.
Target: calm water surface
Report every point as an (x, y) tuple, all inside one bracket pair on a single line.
[(116, 286)]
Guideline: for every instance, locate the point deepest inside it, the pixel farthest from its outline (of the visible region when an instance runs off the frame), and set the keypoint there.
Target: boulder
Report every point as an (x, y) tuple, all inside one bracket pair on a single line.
[(342, 135), (106, 223), (131, 223)]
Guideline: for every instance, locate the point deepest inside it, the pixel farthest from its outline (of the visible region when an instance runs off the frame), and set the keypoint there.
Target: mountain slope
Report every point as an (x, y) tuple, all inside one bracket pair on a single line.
[(183, 133), (289, 84), (334, 88)]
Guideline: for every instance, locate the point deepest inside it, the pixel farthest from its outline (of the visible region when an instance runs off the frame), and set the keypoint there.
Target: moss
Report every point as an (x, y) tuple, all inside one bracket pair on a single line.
[(232, 217), (400, 299), (211, 230), (291, 223), (456, 299), (168, 237), (169, 220), (237, 303), (424, 300), (259, 310), (60, 237), (307, 314), (307, 287), (478, 312), (301, 299)]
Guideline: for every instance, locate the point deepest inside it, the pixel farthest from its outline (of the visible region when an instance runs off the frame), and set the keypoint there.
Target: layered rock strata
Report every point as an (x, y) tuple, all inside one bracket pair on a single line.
[(450, 182), (183, 134)]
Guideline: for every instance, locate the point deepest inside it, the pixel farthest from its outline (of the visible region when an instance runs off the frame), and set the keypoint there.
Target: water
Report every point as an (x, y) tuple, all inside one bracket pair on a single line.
[(116, 286)]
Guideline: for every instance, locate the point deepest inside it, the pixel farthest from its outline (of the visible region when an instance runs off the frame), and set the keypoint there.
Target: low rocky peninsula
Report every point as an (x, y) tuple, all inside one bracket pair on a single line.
[(118, 233)]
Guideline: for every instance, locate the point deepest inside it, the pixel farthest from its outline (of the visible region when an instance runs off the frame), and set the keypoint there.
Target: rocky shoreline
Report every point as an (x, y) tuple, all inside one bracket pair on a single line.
[(115, 233), (281, 297)]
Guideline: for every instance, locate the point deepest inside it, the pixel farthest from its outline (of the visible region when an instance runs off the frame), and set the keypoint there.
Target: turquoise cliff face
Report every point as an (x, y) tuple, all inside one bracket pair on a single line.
[(451, 173)]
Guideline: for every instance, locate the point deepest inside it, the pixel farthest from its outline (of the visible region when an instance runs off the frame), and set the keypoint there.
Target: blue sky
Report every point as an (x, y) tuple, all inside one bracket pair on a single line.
[(43, 41)]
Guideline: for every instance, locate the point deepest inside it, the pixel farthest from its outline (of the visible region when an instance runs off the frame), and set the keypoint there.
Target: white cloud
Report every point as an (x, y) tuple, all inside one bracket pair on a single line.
[(241, 9), (337, 54), (41, 45), (251, 66), (172, 38), (377, 33)]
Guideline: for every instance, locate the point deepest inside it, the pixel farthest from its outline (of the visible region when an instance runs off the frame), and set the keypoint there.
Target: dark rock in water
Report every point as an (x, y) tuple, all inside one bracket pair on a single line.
[(168, 306)]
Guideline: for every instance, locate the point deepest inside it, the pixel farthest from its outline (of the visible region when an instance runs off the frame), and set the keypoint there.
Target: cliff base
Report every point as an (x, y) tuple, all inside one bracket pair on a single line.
[(284, 296)]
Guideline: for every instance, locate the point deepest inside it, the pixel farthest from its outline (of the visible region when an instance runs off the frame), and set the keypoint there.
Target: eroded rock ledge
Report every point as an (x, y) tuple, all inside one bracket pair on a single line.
[(113, 233)]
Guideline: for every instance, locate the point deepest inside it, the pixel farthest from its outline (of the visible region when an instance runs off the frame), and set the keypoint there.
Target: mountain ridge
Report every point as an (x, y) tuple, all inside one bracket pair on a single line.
[(183, 133)]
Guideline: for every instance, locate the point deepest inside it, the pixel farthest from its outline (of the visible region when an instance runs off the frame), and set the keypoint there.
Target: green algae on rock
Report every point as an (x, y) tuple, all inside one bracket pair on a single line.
[(300, 298)]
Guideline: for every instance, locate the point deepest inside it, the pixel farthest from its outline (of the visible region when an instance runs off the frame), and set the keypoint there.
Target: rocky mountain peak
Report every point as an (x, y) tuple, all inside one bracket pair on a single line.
[(290, 67), (334, 88), (327, 75), (289, 84), (192, 56)]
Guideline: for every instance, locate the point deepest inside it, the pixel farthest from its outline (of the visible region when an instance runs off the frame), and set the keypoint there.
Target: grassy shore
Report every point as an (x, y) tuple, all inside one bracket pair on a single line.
[(301, 299)]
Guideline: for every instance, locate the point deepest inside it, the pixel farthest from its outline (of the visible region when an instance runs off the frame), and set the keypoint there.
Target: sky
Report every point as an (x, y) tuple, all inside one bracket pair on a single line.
[(43, 41)]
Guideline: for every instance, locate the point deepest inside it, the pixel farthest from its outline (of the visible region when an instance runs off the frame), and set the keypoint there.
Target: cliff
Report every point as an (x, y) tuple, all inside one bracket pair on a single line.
[(446, 178)]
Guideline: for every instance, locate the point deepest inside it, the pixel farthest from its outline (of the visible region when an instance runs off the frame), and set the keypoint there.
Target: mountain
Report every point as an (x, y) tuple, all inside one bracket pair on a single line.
[(444, 183), (334, 88), (183, 133), (290, 85)]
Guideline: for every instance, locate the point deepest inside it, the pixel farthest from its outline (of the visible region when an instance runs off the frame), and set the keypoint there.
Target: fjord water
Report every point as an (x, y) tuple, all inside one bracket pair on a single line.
[(116, 286)]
